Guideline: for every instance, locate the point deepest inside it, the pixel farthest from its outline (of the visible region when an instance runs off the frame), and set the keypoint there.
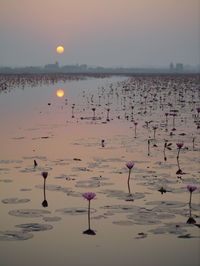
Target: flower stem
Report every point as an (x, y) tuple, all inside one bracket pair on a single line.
[(89, 214)]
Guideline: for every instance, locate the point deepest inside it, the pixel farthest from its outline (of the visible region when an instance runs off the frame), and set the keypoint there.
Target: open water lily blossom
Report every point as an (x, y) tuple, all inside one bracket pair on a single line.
[(191, 188), (89, 195)]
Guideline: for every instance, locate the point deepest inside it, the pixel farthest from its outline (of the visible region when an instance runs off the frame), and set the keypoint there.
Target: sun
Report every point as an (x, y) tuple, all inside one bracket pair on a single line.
[(60, 49), (60, 93)]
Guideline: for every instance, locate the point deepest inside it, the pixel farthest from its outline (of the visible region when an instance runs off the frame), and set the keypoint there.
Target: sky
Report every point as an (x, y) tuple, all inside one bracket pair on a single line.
[(109, 33)]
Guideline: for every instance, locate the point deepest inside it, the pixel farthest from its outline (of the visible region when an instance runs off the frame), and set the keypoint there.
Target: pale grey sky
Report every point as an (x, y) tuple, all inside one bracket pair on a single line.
[(100, 32)]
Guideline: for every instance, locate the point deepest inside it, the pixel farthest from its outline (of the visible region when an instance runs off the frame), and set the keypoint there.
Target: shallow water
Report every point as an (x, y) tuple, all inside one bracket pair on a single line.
[(132, 225)]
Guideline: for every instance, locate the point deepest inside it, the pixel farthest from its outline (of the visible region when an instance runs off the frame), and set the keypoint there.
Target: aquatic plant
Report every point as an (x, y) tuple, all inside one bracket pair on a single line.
[(108, 118), (89, 196), (102, 143), (154, 131), (129, 165), (44, 203), (198, 110), (148, 144), (191, 189), (93, 109), (166, 146), (35, 163), (179, 146), (135, 124), (173, 122), (166, 117)]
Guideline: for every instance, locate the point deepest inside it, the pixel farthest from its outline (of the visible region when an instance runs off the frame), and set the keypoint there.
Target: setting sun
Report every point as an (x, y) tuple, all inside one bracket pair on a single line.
[(60, 49), (60, 93)]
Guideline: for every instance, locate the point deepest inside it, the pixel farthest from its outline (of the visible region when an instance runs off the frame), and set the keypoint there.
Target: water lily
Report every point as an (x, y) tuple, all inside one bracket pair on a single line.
[(45, 174), (129, 165), (154, 131), (179, 146), (89, 196), (44, 203), (135, 124), (191, 189)]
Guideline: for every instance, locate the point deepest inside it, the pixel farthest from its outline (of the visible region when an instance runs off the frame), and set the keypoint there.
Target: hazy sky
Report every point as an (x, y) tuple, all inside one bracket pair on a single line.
[(100, 32)]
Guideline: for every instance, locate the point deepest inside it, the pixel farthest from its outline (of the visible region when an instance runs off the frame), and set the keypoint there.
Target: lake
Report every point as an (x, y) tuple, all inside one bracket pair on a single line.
[(143, 213)]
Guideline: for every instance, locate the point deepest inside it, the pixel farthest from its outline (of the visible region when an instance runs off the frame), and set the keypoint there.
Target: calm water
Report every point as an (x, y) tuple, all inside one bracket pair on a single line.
[(133, 224)]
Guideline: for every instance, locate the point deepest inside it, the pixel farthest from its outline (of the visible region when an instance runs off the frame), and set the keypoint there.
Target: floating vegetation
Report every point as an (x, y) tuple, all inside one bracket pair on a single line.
[(75, 211), (120, 194), (54, 188), (15, 201), (52, 219), (28, 213), (172, 228), (14, 235), (34, 227)]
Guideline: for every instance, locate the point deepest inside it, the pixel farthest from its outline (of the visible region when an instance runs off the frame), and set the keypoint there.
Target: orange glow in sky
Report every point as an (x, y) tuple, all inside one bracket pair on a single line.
[(60, 93), (60, 49)]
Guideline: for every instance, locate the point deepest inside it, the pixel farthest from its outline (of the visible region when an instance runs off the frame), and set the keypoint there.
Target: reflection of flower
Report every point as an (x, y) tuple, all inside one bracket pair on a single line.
[(130, 165), (198, 109), (45, 174), (89, 195), (191, 188)]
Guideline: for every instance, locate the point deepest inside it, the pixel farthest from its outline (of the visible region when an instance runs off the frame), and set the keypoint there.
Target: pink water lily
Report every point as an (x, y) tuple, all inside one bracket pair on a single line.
[(89, 195), (198, 109), (191, 188), (179, 144), (130, 165)]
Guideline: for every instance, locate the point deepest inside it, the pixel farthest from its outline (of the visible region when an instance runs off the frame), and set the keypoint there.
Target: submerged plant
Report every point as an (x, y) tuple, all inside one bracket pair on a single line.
[(89, 196)]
